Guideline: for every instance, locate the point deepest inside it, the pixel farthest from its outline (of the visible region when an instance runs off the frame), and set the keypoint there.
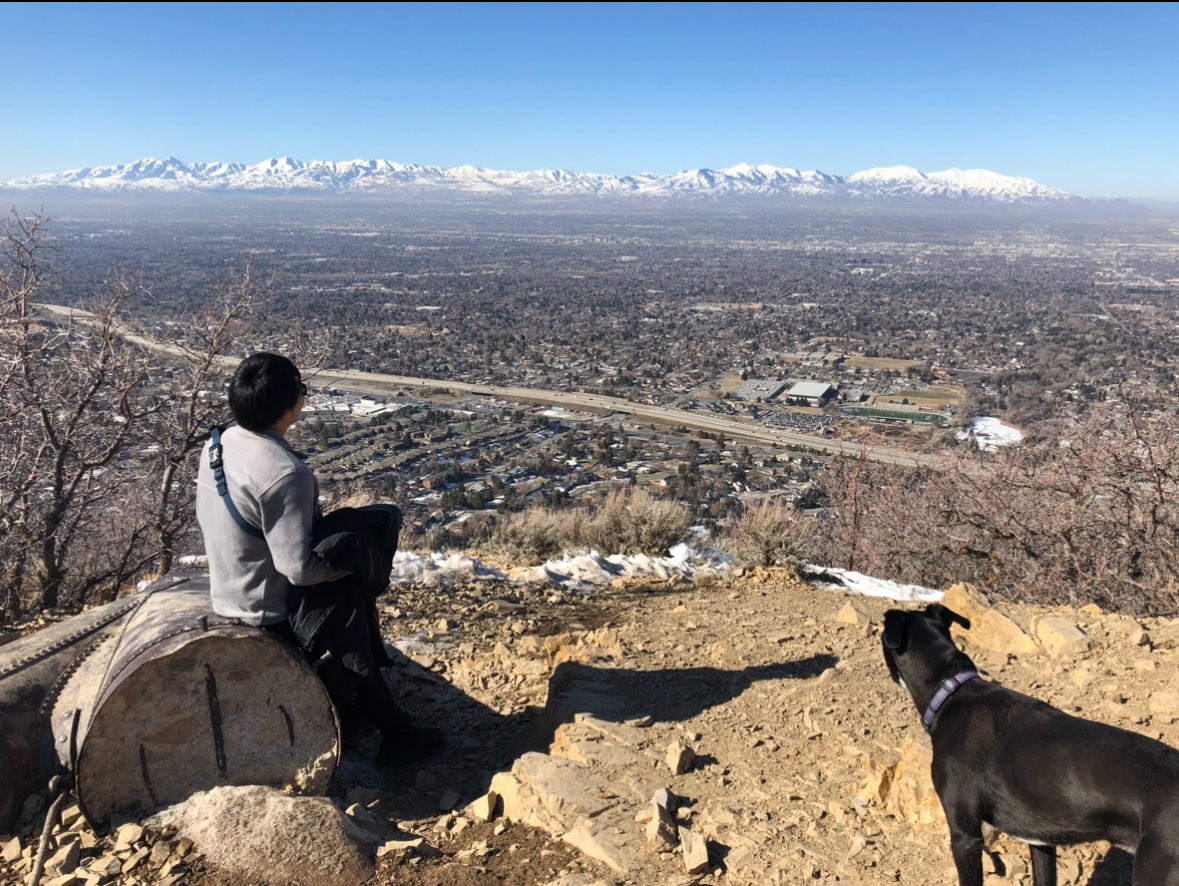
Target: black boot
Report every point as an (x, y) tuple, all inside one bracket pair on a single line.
[(408, 743), (402, 741)]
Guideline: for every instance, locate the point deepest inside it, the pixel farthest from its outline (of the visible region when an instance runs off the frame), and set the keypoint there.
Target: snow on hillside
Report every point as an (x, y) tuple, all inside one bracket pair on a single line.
[(583, 572)]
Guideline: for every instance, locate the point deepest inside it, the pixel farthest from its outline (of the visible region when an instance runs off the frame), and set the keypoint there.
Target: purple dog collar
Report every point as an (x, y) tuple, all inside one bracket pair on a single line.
[(948, 688)]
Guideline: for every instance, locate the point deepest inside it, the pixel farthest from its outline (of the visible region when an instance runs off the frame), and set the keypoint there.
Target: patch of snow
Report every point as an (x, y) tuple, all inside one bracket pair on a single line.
[(435, 568), (990, 433), (867, 586), (572, 572), (414, 646), (581, 572)]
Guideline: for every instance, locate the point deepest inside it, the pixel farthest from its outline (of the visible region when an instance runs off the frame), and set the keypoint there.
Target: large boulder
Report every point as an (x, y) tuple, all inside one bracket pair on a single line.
[(261, 835), (911, 795), (989, 628), (1060, 637)]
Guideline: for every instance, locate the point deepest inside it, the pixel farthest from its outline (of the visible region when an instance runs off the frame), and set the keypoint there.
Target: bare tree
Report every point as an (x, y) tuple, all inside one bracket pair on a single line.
[(99, 427), (1086, 514), (845, 481), (192, 401), (69, 401)]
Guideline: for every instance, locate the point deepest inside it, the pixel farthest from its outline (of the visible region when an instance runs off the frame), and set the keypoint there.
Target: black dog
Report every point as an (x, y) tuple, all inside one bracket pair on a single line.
[(1026, 768)]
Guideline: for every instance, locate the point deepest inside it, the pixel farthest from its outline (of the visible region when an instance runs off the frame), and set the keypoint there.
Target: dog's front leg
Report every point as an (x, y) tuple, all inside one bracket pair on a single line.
[(966, 844), (1043, 865)]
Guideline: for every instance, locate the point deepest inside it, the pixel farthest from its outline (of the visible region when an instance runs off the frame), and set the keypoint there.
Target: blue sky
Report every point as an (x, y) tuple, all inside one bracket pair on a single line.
[(1081, 97)]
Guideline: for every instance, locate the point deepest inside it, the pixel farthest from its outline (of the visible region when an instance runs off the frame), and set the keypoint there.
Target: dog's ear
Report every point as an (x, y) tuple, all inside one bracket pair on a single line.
[(896, 630), (946, 616)]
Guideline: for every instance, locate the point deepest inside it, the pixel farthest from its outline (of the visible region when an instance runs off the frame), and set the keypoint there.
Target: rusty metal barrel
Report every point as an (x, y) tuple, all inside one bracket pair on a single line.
[(172, 699)]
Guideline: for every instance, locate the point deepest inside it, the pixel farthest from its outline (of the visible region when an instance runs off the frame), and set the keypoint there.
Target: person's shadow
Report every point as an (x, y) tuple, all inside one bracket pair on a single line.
[(668, 696), (482, 741)]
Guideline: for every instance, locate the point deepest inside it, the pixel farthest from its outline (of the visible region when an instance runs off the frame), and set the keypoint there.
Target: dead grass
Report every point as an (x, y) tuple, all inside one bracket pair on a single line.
[(730, 383), (940, 394)]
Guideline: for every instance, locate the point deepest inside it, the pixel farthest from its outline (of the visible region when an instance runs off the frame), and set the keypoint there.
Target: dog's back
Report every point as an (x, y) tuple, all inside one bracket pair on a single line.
[(1049, 777)]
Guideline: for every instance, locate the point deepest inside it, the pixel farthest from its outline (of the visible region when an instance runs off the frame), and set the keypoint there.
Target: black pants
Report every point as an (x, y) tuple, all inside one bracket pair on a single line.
[(342, 653), (335, 624)]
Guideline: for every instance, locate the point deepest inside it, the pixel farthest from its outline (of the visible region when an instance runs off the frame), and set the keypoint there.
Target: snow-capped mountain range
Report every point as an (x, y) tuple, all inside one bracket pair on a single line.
[(380, 176)]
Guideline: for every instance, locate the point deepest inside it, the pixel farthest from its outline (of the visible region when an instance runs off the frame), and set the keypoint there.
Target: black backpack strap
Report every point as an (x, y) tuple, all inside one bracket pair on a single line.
[(218, 467)]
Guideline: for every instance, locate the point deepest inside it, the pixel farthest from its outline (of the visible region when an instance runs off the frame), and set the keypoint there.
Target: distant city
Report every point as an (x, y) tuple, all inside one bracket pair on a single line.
[(888, 327)]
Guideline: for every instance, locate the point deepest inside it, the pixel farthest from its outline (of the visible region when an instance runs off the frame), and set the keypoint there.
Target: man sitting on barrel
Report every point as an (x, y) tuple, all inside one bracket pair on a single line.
[(276, 562)]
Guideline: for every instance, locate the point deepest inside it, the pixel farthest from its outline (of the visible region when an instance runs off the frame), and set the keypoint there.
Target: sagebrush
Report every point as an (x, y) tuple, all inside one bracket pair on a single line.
[(769, 533), (627, 522)]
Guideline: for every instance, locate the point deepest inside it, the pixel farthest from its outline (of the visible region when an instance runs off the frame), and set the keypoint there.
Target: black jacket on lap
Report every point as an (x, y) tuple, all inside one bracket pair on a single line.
[(341, 616)]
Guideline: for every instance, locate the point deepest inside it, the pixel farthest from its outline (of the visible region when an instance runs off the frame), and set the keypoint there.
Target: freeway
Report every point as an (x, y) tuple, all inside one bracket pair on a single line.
[(355, 381)]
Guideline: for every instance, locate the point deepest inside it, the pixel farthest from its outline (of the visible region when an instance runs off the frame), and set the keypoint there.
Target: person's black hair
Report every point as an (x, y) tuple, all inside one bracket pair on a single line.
[(262, 389)]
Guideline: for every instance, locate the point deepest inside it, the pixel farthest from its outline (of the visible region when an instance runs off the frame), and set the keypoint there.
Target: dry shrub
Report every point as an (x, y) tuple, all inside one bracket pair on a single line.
[(1087, 514), (528, 538), (634, 522), (628, 522), (770, 533)]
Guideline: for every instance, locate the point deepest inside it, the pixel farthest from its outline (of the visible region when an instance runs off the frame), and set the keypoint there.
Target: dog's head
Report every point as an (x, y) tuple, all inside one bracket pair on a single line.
[(918, 645)]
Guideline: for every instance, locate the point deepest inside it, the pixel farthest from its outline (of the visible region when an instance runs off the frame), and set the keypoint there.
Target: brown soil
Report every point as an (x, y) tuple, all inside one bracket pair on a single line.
[(781, 693), (788, 708)]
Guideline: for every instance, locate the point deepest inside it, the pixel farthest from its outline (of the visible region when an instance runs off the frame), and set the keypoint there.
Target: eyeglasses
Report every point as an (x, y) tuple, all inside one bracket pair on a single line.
[(303, 389)]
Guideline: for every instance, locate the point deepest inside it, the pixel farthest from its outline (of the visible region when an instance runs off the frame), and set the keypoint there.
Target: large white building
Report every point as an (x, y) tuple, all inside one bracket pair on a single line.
[(811, 393)]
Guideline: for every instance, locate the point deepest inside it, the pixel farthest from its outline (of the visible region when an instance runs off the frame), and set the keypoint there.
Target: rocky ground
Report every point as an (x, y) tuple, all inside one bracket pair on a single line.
[(756, 708)]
